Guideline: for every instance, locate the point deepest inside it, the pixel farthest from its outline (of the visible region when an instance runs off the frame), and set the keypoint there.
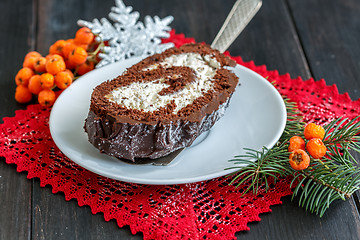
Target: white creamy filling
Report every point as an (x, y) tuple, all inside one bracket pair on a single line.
[(145, 95)]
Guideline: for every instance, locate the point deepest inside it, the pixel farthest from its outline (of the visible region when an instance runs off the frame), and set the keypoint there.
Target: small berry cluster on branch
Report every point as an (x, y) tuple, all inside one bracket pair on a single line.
[(299, 158), (66, 60), (319, 160)]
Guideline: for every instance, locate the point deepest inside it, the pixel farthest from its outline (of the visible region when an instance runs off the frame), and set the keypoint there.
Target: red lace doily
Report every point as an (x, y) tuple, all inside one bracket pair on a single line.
[(206, 210)]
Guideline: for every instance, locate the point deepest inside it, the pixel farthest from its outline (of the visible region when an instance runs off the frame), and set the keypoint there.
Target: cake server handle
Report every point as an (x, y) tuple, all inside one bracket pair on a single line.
[(240, 15)]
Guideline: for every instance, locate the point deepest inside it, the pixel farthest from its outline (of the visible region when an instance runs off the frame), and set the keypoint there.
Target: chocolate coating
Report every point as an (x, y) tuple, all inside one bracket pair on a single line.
[(131, 141)]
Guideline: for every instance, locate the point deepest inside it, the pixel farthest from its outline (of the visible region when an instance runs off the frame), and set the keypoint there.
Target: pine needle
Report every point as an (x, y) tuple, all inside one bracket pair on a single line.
[(334, 177)]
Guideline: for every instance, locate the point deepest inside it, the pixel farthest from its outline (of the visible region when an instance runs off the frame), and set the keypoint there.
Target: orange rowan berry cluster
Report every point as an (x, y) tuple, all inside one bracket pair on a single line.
[(299, 159), (41, 75)]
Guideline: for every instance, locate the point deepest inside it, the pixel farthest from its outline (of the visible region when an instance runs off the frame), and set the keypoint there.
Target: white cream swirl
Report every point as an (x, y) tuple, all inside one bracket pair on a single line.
[(145, 95)]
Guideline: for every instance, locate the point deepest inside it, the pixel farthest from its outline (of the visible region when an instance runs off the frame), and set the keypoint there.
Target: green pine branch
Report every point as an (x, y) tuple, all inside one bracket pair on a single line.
[(269, 163), (334, 177)]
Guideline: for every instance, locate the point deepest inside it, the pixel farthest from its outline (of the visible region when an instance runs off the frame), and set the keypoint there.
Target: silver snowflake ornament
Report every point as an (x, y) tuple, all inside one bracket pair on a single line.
[(128, 37)]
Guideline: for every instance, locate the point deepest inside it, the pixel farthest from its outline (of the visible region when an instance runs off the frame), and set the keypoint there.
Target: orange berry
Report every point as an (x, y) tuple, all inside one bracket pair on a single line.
[(83, 46), (22, 94), (47, 57), (29, 62), (296, 142), (314, 131), (32, 54), (57, 47), (46, 97), (85, 67), (299, 159), (68, 48), (316, 148), (84, 36), (70, 72), (55, 64), (39, 65), (69, 65), (78, 56), (47, 80), (63, 79), (35, 84), (23, 76)]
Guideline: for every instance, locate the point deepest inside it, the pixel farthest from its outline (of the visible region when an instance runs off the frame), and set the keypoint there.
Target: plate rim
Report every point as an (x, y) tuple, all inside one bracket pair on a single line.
[(139, 180)]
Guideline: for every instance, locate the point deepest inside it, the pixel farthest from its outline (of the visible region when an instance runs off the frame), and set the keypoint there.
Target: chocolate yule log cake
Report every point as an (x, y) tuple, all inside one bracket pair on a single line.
[(160, 104)]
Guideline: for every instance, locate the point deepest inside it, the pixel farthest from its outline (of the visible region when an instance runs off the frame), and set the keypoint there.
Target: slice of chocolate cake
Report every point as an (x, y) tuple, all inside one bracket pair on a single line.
[(160, 104)]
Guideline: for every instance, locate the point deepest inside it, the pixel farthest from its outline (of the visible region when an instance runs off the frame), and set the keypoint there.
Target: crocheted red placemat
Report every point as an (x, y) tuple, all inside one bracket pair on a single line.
[(208, 210)]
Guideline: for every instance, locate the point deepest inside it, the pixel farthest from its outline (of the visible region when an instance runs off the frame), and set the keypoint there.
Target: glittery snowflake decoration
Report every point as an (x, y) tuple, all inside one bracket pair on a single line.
[(127, 37)]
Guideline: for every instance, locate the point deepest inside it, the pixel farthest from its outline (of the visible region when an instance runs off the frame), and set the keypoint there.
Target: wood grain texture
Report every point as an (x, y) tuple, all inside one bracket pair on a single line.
[(330, 32), (15, 189), (57, 19), (289, 221), (271, 39), (288, 35)]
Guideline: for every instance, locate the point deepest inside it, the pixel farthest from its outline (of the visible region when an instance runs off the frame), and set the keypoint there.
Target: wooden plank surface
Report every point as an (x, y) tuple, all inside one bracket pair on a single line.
[(290, 36), (15, 189), (330, 32)]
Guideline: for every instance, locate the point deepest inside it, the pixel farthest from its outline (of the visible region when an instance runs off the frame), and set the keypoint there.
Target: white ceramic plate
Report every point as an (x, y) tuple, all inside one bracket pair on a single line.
[(256, 117)]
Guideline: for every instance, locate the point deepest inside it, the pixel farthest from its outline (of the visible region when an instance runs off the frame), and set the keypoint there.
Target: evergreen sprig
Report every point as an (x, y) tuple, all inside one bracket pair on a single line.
[(269, 163), (322, 183), (256, 166), (294, 123), (335, 176)]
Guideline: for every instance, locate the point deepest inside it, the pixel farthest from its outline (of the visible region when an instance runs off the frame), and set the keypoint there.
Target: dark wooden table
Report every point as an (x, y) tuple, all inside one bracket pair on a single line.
[(307, 38)]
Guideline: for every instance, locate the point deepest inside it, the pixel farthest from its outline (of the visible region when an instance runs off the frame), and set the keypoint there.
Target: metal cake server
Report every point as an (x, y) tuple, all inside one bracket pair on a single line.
[(240, 15)]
